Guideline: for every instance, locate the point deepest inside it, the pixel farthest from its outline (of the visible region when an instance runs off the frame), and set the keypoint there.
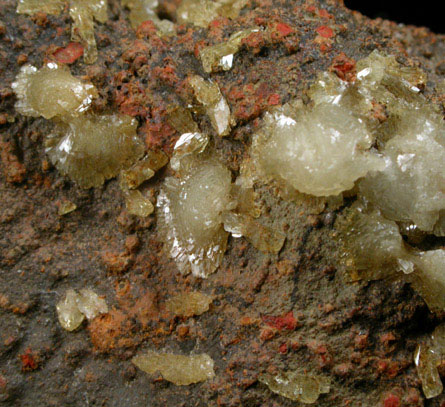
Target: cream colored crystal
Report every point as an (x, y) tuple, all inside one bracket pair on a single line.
[(93, 148), (189, 304), (143, 10), (220, 56), (137, 204), (182, 120), (51, 92), (66, 207), (427, 358), (83, 14), (304, 388), (207, 93), (262, 238), (40, 6), (202, 12), (68, 312), (90, 304), (178, 369), (320, 151)]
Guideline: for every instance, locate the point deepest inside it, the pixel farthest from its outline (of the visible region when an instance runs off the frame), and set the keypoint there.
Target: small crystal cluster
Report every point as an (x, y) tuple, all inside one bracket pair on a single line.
[(193, 206), (88, 148), (179, 369), (304, 388), (427, 357), (83, 14), (208, 95), (75, 306), (189, 304), (219, 57), (143, 10), (202, 12)]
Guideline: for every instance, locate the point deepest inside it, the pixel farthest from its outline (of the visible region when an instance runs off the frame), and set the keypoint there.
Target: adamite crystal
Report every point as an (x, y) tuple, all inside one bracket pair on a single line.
[(51, 92), (93, 148), (298, 387), (178, 369), (189, 304), (31, 7)]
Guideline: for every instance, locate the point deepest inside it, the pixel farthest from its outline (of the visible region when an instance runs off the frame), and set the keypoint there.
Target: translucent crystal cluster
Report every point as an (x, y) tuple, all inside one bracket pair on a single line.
[(143, 10), (202, 12), (208, 95), (427, 357), (189, 304), (219, 57), (304, 388), (31, 7), (179, 369), (51, 91), (75, 306), (92, 148)]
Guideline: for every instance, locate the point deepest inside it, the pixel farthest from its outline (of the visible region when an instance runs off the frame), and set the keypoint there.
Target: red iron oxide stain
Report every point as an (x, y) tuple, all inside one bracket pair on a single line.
[(325, 31), (287, 321), (28, 360), (71, 53)]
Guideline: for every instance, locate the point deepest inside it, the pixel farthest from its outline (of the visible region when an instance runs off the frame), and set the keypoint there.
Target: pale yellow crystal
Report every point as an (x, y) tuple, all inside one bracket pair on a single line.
[(182, 121), (68, 312), (137, 204), (304, 388), (219, 57), (66, 207), (427, 358), (93, 148), (261, 237), (207, 93), (187, 146), (90, 304), (51, 91), (320, 151), (189, 304), (202, 12), (40, 6), (144, 169), (178, 369), (83, 13)]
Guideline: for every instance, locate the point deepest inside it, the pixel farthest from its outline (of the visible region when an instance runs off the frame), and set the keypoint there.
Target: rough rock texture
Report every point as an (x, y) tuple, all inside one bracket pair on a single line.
[(272, 313)]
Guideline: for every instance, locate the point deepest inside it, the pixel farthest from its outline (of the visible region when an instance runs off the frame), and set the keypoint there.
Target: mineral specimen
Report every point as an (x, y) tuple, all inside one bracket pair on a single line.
[(73, 309), (83, 13), (137, 204), (189, 304), (298, 387), (43, 6), (51, 92), (143, 10), (178, 369), (220, 56), (207, 93), (93, 148), (144, 169), (68, 312), (320, 151), (189, 215), (427, 358), (65, 207), (202, 12)]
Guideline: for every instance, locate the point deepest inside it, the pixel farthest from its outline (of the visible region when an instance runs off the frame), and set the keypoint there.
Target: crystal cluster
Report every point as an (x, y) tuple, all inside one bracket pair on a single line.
[(189, 304), (427, 357), (82, 12), (75, 306), (209, 96), (179, 369), (304, 388), (194, 205), (202, 12), (143, 10), (219, 57), (88, 148)]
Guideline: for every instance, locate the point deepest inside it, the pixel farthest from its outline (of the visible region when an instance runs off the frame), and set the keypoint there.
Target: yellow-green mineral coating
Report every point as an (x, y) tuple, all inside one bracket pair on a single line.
[(178, 369), (189, 304), (51, 92), (298, 387), (94, 148), (83, 13), (31, 7)]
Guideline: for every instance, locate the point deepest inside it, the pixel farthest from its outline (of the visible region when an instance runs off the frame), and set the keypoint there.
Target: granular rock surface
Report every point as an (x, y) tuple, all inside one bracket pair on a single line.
[(292, 311)]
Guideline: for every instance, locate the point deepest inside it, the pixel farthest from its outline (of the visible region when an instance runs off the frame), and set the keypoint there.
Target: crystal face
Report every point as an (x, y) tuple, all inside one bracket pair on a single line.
[(51, 91), (189, 304), (92, 149), (304, 388), (43, 6), (178, 369)]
